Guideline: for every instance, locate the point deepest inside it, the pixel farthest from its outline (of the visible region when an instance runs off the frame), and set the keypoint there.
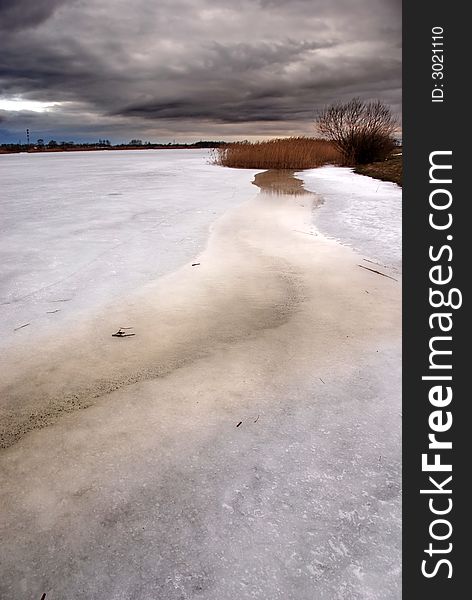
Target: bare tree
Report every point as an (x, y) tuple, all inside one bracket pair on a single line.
[(361, 131)]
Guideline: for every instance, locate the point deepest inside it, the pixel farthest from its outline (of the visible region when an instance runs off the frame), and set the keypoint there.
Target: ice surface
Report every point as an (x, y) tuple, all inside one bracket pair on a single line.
[(154, 491), (359, 211), (81, 229)]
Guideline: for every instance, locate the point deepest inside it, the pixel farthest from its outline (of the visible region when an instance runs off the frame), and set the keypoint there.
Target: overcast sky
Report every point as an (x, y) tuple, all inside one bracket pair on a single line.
[(161, 70)]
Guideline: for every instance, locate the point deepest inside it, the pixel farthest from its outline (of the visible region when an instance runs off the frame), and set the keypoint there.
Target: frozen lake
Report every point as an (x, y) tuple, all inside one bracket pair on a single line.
[(230, 450), (81, 229)]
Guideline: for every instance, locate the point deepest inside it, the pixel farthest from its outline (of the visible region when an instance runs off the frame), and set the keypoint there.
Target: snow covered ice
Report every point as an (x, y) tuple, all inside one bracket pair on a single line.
[(82, 228), (154, 491), (359, 211)]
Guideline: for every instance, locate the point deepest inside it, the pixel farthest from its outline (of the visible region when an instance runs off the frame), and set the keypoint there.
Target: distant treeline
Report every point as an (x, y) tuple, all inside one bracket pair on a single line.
[(54, 146)]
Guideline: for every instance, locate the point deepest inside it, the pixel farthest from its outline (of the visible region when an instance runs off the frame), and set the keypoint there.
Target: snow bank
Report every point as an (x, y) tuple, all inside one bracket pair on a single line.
[(359, 211)]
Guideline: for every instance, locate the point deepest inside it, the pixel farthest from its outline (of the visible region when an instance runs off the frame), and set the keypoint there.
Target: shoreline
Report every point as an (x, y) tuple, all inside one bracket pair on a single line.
[(273, 329), (110, 149)]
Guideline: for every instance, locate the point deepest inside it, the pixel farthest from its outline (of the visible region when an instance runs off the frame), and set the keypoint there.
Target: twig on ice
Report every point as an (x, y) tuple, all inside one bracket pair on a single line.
[(122, 332), (378, 272)]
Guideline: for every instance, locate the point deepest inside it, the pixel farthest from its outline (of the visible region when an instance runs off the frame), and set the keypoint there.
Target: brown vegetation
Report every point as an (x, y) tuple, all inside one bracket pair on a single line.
[(295, 153), (390, 169)]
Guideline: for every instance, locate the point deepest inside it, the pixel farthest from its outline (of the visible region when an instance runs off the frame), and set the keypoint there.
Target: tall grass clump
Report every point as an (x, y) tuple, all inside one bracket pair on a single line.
[(294, 153)]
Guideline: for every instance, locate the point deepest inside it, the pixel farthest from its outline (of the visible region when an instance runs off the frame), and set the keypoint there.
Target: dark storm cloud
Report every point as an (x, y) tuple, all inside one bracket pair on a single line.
[(21, 14), (195, 65)]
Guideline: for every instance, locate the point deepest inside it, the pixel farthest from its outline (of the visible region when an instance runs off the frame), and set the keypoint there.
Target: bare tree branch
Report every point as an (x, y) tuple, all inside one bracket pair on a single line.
[(361, 131)]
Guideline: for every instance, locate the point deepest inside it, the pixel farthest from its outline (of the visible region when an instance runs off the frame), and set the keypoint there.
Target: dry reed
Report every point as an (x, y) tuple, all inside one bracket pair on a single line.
[(288, 153)]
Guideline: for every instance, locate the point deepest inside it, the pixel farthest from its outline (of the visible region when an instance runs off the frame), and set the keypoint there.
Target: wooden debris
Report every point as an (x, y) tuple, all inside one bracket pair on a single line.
[(378, 272), (21, 326), (240, 423), (123, 332)]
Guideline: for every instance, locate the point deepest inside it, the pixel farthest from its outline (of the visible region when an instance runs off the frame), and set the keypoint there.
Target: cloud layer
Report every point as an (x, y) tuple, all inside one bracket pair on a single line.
[(186, 69)]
